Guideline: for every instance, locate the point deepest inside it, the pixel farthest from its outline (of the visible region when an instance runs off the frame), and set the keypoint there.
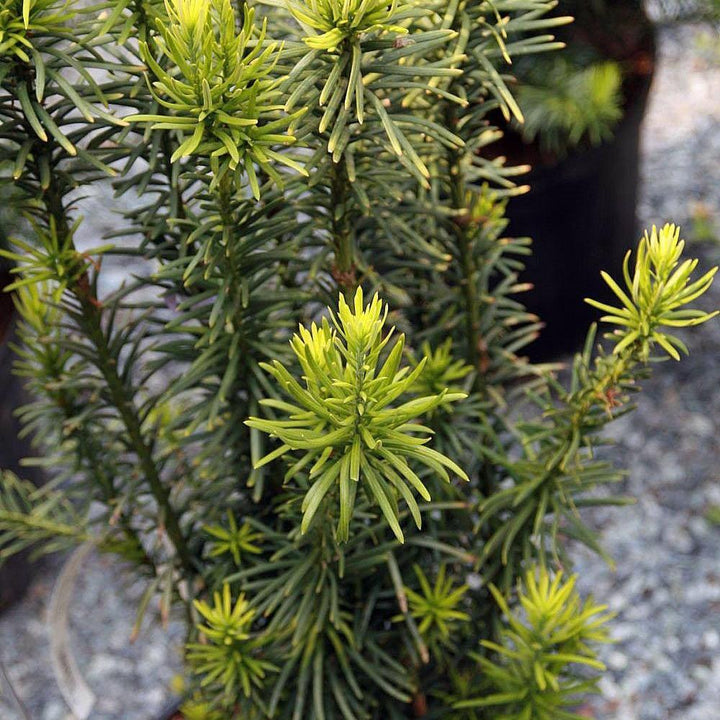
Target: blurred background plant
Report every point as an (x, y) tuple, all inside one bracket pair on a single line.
[(577, 98)]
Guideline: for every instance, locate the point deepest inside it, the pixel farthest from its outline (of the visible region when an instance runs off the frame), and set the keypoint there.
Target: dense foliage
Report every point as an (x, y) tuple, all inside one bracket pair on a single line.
[(308, 424)]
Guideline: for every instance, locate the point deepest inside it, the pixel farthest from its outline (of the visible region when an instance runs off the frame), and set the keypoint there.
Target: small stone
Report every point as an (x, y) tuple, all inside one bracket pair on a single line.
[(617, 660), (623, 632), (701, 673), (711, 639), (698, 526), (672, 470), (712, 494), (474, 581), (679, 539), (663, 664), (156, 696), (103, 666), (55, 711), (608, 687), (155, 655), (700, 425)]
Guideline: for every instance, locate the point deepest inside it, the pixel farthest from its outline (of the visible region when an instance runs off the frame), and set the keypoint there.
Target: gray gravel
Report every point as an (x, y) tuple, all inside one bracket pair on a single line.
[(131, 681), (665, 663)]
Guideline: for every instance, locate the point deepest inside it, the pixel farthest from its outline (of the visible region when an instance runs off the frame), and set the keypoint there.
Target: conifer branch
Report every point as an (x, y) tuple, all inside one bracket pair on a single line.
[(344, 542), (90, 320), (46, 154)]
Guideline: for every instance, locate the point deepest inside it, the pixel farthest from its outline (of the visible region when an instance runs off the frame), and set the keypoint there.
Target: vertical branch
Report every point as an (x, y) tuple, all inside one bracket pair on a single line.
[(343, 236), (177, 204), (458, 200), (90, 320)]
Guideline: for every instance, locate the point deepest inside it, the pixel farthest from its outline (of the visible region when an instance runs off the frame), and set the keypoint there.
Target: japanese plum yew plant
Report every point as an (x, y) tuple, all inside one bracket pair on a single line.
[(305, 417)]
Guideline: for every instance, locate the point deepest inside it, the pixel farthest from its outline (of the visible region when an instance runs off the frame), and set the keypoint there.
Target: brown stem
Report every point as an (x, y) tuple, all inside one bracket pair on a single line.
[(343, 237)]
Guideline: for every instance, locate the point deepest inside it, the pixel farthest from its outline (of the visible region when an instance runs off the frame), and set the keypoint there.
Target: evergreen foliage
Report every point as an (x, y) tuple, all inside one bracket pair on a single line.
[(343, 497), (347, 423), (536, 672)]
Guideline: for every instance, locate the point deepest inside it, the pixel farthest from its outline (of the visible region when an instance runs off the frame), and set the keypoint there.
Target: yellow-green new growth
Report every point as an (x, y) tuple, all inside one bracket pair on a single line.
[(435, 608), (345, 423), (220, 92), (22, 21), (229, 655), (656, 294), (535, 675), (340, 20), (234, 540), (442, 372)]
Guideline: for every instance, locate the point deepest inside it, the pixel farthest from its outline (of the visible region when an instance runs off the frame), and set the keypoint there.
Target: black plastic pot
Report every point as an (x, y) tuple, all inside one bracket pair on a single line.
[(581, 215)]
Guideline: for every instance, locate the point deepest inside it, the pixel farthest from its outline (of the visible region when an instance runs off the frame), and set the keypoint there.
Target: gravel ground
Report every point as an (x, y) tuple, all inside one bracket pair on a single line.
[(665, 663), (130, 681)]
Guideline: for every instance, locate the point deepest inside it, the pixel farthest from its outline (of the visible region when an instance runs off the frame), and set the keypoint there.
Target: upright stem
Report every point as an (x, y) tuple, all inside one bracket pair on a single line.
[(52, 198), (486, 477), (224, 204), (106, 362), (458, 199), (168, 144), (343, 237), (235, 395), (176, 199), (96, 465)]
